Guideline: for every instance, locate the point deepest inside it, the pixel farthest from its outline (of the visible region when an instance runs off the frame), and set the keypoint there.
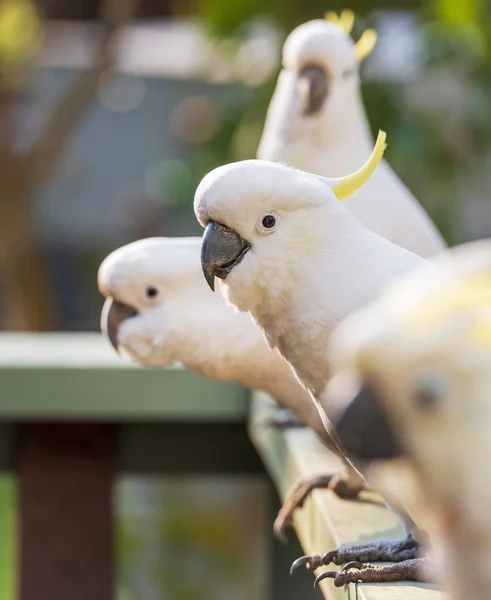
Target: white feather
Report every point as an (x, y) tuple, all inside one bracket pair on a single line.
[(337, 140), (434, 329), (317, 265)]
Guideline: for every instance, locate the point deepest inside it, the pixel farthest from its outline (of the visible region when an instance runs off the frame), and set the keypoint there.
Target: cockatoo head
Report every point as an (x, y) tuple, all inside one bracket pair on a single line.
[(266, 223), (413, 389), (321, 56), (155, 293)]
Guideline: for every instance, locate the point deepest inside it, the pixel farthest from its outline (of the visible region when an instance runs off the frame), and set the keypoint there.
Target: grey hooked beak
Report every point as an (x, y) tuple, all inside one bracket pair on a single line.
[(313, 89), (113, 314), (364, 430), (221, 250)]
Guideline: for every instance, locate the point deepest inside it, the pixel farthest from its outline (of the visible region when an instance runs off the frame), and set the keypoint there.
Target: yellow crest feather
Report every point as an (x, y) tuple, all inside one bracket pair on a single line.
[(344, 22), (365, 44), (347, 186)]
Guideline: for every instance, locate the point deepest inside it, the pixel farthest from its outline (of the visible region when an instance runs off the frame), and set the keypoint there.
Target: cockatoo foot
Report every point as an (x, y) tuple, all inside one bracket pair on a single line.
[(378, 551), (357, 572), (339, 483)]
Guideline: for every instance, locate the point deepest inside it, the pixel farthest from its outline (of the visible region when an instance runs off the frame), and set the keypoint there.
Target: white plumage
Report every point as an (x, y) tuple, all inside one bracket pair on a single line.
[(301, 276), (313, 268), (425, 347), (336, 138)]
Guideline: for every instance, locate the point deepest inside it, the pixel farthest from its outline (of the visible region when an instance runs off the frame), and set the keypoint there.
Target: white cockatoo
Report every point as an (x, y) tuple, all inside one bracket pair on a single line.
[(316, 121), (160, 311), (288, 252), (419, 359)]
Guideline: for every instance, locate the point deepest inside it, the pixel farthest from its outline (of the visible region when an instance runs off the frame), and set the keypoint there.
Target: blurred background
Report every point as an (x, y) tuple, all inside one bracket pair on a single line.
[(111, 111)]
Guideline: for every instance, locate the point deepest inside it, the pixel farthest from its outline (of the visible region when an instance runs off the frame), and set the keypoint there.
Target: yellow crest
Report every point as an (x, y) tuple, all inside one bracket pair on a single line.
[(345, 22), (344, 187), (365, 44)]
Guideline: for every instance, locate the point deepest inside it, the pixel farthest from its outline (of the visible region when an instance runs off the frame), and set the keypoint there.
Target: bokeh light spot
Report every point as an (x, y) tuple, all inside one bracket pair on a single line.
[(121, 93), (194, 119)]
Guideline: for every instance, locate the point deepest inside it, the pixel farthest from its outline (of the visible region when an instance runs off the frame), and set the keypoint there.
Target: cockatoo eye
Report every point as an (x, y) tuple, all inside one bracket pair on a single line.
[(267, 223), (429, 391), (152, 291)]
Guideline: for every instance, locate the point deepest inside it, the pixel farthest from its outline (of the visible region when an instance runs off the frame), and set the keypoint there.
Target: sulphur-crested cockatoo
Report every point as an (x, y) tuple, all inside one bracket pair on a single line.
[(160, 311), (419, 360), (316, 122), (288, 252)]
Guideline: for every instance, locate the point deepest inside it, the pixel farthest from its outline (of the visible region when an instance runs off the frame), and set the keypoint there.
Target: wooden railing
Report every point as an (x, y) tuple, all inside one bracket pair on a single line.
[(326, 522), (74, 416)]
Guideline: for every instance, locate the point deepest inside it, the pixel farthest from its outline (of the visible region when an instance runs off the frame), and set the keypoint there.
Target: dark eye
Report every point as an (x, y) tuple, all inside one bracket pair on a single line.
[(152, 291), (268, 221), (428, 395)]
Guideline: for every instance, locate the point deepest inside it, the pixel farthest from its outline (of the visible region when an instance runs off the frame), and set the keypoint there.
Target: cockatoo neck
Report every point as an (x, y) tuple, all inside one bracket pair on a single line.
[(351, 267), (334, 142), (228, 346), (219, 343), (347, 138)]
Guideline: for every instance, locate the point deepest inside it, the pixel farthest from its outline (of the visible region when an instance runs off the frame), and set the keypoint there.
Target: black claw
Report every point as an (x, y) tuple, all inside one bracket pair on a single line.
[(353, 564), (300, 562), (324, 575), (329, 557)]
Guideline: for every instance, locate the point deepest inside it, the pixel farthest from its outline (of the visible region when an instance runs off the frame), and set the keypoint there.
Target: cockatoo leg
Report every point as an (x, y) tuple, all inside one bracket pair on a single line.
[(357, 572), (377, 551), (344, 484)]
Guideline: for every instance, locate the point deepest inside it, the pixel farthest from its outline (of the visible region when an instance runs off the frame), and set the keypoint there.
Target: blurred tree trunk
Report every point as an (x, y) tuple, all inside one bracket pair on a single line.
[(27, 297)]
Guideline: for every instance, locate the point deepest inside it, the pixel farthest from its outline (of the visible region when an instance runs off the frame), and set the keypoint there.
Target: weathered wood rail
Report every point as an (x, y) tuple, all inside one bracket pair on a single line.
[(74, 416), (326, 522)]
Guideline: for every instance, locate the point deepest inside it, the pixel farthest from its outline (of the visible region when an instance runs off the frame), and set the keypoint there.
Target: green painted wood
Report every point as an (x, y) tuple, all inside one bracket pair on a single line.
[(79, 376), (327, 522)]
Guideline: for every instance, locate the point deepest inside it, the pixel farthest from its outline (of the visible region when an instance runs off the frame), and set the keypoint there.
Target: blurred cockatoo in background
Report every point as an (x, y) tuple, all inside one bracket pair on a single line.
[(316, 121), (419, 360)]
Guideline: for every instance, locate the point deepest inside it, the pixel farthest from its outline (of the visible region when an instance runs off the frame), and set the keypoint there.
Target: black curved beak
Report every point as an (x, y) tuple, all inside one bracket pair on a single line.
[(364, 430), (113, 314), (221, 250), (313, 89)]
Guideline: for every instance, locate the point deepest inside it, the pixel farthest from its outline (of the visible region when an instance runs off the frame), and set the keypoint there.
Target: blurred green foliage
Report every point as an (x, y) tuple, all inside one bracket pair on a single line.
[(229, 18), (7, 537), (20, 39)]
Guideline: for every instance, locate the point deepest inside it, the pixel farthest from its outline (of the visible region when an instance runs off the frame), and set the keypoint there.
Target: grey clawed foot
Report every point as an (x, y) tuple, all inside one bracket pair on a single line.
[(378, 551), (357, 572), (339, 483), (295, 499)]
